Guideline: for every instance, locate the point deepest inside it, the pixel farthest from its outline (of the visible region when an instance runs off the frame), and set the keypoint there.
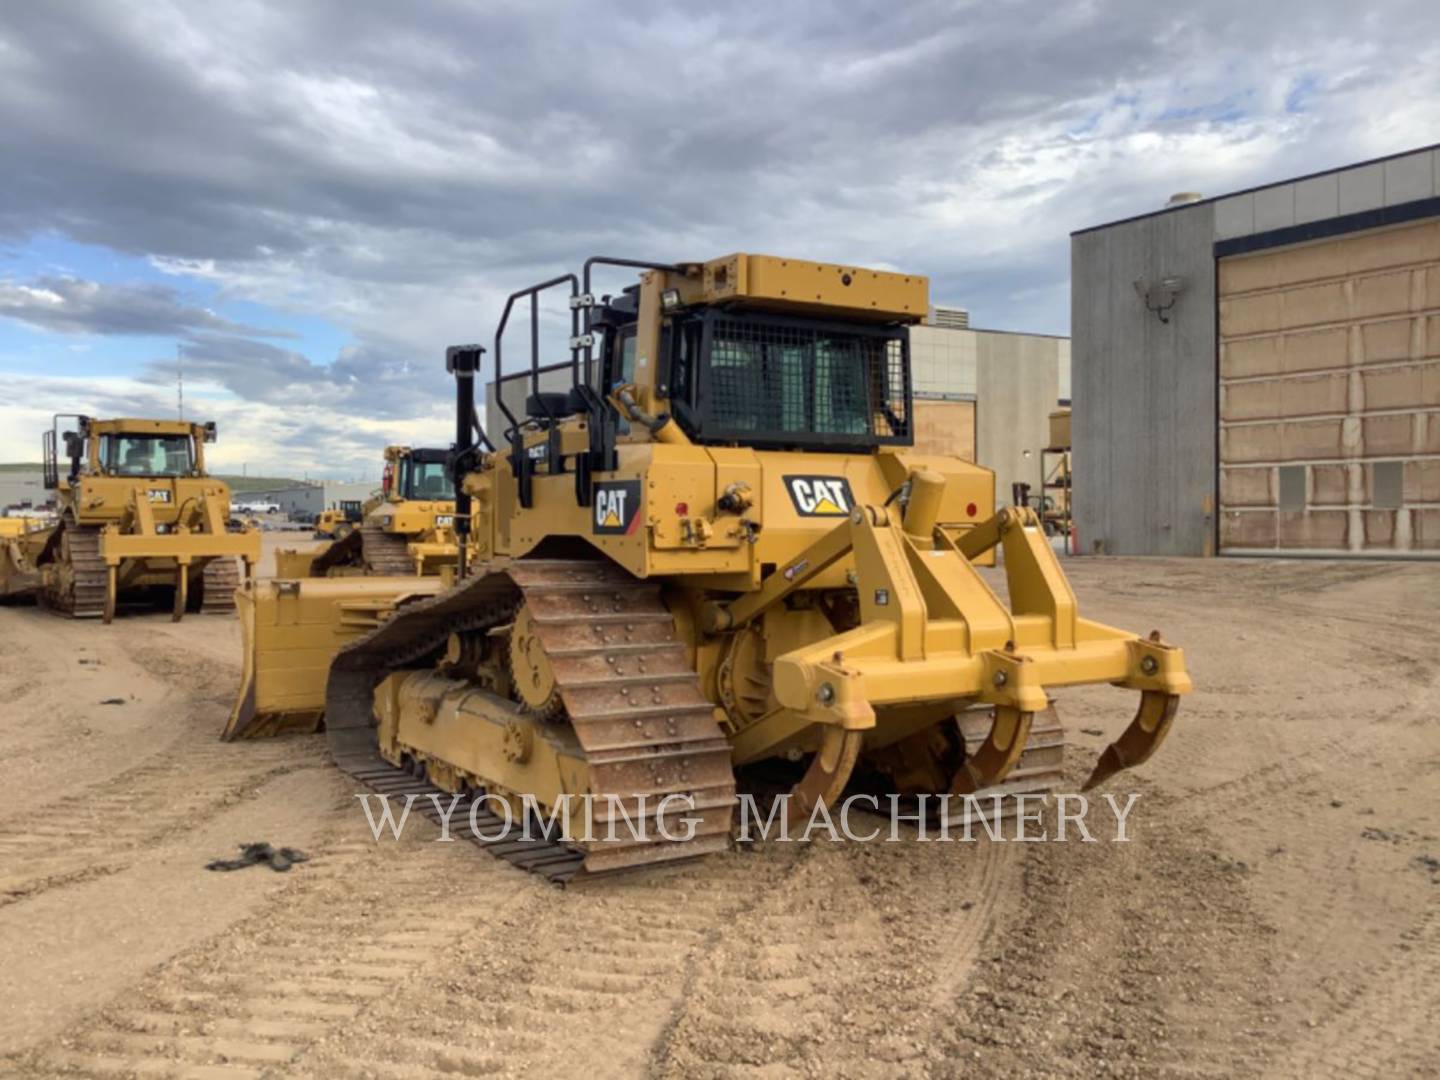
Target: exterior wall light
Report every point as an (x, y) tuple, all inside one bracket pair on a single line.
[(1161, 296)]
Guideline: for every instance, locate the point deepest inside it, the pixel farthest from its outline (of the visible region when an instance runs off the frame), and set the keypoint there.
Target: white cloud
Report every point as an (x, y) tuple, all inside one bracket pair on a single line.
[(291, 439), (398, 169)]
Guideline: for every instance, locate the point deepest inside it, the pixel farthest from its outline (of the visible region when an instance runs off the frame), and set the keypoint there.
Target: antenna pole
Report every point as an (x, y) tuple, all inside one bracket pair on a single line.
[(180, 380)]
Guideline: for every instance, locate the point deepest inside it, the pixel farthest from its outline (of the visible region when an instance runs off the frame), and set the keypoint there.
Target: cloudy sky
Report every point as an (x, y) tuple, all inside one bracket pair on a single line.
[(310, 200)]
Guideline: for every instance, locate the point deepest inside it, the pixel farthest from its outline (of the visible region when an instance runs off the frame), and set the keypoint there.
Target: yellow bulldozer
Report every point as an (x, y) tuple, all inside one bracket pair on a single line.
[(138, 518), (339, 521), (408, 527), (717, 551)]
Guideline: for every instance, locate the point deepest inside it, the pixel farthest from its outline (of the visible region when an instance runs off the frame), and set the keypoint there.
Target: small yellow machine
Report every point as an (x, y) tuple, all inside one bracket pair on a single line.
[(408, 528), (339, 521), (138, 515), (717, 549)]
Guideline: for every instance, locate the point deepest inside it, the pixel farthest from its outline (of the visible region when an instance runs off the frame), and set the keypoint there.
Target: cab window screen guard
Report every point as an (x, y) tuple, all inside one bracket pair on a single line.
[(147, 455), (773, 380), (428, 480)]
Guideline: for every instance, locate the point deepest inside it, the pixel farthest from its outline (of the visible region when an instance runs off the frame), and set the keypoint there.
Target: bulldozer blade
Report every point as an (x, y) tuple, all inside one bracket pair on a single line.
[(341, 552), (1141, 739), (18, 578), (290, 631), (997, 754)]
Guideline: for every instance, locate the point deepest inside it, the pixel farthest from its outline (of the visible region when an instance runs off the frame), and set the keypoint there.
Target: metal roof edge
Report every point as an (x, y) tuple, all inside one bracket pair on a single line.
[(1256, 187)]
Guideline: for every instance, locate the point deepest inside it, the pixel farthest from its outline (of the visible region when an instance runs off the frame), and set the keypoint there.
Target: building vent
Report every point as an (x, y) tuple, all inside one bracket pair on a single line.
[(1184, 198), (951, 318)]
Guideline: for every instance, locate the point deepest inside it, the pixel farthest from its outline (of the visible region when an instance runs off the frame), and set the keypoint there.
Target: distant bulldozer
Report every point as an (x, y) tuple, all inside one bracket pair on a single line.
[(406, 529), (139, 519), (339, 521)]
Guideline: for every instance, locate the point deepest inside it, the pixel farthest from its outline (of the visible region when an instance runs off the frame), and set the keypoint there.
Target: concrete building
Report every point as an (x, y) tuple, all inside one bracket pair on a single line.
[(1016, 379), (23, 486), (1260, 373), (987, 394), (303, 501)]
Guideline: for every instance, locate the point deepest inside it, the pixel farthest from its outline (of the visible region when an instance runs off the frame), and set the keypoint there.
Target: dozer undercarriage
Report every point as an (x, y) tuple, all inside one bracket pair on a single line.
[(368, 549), (81, 574), (719, 603)]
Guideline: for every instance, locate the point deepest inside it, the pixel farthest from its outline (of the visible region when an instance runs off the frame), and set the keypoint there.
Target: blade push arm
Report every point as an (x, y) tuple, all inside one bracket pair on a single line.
[(932, 630)]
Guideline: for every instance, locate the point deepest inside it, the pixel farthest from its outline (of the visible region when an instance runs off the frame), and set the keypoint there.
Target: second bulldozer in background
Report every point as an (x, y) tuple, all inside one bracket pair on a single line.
[(406, 528), (139, 518)]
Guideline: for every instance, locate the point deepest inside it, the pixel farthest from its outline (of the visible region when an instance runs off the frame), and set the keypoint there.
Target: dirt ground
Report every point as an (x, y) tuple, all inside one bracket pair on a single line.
[(1276, 912)]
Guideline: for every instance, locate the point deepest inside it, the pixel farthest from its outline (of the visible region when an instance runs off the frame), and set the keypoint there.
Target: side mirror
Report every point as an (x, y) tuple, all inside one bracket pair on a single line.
[(74, 445), (211, 432)]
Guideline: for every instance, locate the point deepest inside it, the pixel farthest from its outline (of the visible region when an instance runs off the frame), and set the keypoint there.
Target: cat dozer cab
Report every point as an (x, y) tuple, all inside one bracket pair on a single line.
[(407, 528), (717, 549), (139, 518)]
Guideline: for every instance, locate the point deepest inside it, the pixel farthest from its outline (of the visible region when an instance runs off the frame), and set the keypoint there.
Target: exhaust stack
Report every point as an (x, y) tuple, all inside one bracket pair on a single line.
[(463, 361)]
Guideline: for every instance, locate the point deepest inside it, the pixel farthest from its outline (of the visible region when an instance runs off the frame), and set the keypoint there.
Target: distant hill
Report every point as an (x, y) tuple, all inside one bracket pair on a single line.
[(237, 483)]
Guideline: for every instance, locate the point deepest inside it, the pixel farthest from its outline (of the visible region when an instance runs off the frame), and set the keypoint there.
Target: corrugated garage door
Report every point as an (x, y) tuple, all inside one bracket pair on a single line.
[(1330, 396)]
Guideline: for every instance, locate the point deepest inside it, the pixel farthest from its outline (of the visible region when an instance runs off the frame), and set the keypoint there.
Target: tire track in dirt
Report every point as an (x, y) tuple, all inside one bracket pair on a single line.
[(112, 824), (591, 973), (25, 668), (1329, 867), (1385, 1025), (1296, 816), (836, 970), (57, 676), (1256, 785), (1309, 747), (358, 923), (187, 778), (965, 932), (1124, 959)]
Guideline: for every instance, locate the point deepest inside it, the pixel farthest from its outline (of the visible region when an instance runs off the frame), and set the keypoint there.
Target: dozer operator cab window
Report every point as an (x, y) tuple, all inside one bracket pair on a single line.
[(426, 480), (147, 455), (619, 369), (624, 359), (769, 380)]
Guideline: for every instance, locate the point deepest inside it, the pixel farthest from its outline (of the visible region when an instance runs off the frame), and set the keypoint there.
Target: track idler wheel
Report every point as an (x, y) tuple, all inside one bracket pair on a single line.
[(997, 755), (530, 669), (1141, 739)]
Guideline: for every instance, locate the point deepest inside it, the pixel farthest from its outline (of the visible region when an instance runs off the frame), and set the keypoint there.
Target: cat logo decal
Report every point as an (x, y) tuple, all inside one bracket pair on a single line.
[(820, 496), (617, 507)]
